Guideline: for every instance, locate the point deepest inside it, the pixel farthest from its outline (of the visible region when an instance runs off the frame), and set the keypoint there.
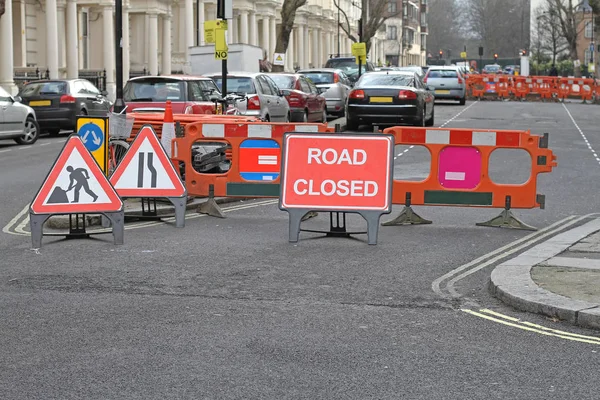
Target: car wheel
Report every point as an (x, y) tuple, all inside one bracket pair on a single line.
[(31, 132), (288, 118), (431, 120), (305, 116), (351, 125), (423, 120), (324, 118), (463, 101)]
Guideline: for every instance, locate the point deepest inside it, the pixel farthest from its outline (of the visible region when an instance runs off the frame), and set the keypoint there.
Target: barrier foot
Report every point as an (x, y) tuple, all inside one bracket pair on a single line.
[(210, 207), (117, 221), (179, 204), (407, 216), (506, 219), (36, 225)]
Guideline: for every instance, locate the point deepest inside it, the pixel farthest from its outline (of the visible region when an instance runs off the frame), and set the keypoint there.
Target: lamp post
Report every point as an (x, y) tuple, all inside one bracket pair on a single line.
[(119, 103)]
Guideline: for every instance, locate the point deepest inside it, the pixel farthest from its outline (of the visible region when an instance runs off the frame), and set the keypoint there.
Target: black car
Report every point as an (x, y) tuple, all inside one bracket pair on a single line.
[(349, 66), (389, 97), (58, 102)]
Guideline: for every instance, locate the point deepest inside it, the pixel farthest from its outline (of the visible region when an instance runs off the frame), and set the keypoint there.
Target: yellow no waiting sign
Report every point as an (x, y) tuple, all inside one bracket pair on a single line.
[(215, 32)]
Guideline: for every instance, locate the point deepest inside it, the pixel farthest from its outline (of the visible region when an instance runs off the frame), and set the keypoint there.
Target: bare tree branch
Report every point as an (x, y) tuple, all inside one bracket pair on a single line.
[(345, 28), (2, 7), (288, 15)]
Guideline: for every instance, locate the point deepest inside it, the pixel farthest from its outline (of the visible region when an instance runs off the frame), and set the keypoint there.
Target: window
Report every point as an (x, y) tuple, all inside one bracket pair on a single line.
[(587, 57), (154, 90), (392, 7), (79, 87), (386, 80), (304, 86), (284, 81), (392, 33), (588, 30), (89, 86)]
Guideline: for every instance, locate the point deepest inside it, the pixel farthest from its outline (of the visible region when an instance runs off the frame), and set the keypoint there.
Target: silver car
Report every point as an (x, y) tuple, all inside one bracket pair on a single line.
[(264, 99), (333, 84), (17, 121), (448, 83)]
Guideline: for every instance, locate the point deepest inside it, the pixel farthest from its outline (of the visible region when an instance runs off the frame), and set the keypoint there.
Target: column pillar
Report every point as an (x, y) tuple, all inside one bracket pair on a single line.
[(72, 41), (289, 55), (126, 49), (51, 38), (153, 43), (265, 35), (23, 33), (201, 22), (244, 26), (6, 50), (301, 39), (314, 48), (327, 45), (189, 26), (62, 35), (109, 49), (272, 38), (253, 29), (166, 50), (235, 31)]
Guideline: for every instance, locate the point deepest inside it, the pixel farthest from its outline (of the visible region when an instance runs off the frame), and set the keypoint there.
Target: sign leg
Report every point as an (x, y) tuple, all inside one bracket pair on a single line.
[(36, 225), (179, 203), (372, 219), (295, 221), (117, 220)]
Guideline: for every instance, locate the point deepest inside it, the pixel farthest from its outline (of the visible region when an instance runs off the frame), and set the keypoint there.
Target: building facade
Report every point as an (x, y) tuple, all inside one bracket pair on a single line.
[(75, 38), (406, 32)]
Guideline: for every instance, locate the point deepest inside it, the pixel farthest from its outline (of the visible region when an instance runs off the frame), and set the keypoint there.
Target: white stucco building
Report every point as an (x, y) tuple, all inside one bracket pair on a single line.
[(72, 38)]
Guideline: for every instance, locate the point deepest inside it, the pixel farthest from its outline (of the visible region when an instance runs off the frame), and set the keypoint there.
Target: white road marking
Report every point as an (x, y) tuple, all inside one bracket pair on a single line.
[(585, 139), (16, 219), (442, 125), (5, 151)]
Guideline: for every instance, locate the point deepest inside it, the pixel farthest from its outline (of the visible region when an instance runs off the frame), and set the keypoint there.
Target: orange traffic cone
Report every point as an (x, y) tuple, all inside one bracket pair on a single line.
[(168, 129)]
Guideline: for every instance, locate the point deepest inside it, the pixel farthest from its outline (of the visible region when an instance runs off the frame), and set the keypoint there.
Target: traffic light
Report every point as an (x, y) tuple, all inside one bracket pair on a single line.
[(441, 54), (523, 52), (495, 56)]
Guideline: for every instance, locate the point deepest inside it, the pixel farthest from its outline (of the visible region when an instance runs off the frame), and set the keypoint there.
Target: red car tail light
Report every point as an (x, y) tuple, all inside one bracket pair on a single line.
[(460, 80), (253, 103), (336, 78), (295, 99), (67, 99), (407, 95), (425, 77), (357, 94)]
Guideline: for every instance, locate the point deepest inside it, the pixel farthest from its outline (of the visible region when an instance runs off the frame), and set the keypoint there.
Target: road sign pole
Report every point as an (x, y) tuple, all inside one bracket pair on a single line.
[(119, 103), (222, 12)]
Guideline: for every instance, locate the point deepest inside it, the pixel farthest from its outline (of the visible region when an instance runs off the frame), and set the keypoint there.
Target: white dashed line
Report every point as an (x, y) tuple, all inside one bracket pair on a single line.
[(4, 151), (585, 139), (45, 144), (441, 126)]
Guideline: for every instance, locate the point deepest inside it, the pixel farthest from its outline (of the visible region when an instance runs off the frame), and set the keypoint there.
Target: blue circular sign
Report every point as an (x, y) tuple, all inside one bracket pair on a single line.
[(92, 136)]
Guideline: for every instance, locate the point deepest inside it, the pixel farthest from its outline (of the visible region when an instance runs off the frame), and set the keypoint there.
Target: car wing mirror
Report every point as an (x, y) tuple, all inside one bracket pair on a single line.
[(104, 93), (17, 99)]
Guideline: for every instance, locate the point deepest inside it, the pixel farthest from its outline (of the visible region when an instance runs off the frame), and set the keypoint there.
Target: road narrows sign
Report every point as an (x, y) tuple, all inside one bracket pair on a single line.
[(146, 170), (75, 184), (341, 172)]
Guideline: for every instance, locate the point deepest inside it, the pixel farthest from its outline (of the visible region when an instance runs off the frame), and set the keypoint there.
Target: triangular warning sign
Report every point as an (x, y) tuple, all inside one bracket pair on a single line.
[(146, 170), (279, 58), (75, 184)]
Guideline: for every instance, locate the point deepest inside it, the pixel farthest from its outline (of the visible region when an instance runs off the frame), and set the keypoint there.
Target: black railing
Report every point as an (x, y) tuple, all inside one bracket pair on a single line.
[(97, 77), (23, 76)]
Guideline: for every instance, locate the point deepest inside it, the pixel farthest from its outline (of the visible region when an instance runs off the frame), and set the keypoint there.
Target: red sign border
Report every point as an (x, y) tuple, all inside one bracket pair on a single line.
[(339, 136), (72, 143), (147, 131)]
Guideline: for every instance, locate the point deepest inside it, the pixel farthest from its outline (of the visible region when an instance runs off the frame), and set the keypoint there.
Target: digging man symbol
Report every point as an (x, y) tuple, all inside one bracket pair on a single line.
[(79, 179)]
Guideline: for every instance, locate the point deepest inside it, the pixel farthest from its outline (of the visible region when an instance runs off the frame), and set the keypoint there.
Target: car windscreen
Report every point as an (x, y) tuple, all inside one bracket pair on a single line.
[(154, 90), (442, 73), (416, 70), (44, 88), (385, 80), (319, 78), (236, 84), (283, 81)]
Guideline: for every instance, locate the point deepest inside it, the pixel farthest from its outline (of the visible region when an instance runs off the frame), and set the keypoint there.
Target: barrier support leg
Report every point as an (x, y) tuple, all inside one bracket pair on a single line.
[(179, 204), (407, 216), (117, 221), (295, 221), (36, 225), (506, 219), (210, 207)]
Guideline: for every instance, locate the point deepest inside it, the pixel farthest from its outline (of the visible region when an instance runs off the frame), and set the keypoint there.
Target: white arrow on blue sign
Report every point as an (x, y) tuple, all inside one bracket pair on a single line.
[(91, 136)]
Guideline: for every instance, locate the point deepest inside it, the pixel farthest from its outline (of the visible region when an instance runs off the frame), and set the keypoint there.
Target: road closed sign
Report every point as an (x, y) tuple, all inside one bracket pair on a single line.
[(337, 172)]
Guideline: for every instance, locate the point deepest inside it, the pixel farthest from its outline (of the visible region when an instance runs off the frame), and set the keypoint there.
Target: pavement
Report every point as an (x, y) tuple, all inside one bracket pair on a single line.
[(559, 278)]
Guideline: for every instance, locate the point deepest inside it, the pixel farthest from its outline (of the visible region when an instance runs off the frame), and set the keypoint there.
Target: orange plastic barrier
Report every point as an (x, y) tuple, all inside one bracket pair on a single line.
[(581, 88), (460, 168), (254, 149)]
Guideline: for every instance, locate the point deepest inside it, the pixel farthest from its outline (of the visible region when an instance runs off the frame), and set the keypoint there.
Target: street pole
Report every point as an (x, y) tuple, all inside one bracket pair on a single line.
[(197, 22), (338, 29), (222, 15), (119, 103)]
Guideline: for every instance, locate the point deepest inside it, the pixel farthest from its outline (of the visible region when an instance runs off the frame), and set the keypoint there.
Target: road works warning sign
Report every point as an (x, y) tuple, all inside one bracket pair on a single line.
[(337, 172)]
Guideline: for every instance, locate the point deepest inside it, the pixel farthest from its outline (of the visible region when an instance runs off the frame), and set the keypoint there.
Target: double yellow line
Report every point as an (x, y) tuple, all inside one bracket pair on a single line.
[(531, 327)]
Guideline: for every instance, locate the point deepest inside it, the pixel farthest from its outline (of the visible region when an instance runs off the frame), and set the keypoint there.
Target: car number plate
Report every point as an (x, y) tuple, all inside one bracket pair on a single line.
[(39, 103), (382, 100), (442, 91)]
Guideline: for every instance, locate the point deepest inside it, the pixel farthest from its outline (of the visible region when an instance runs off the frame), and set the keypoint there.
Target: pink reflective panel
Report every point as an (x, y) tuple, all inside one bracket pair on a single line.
[(460, 168)]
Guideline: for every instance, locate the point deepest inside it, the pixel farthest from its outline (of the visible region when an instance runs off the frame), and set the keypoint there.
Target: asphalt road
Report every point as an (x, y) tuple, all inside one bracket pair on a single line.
[(228, 309)]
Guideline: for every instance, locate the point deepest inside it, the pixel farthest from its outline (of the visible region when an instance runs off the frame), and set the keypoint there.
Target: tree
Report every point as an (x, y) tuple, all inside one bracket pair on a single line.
[(501, 26), (288, 15), (568, 19), (445, 26), (548, 36), (2, 7), (374, 13)]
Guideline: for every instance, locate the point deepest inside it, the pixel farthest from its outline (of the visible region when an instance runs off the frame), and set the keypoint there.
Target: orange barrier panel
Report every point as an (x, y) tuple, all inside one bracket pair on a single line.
[(254, 150), (581, 88), (460, 168)]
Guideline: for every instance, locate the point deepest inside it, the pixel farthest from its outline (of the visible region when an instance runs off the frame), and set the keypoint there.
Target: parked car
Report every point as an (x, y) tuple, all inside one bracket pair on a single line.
[(264, 99), (305, 101), (188, 94), (447, 82), (334, 84), (349, 66), (17, 121), (390, 97), (492, 69), (57, 103)]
